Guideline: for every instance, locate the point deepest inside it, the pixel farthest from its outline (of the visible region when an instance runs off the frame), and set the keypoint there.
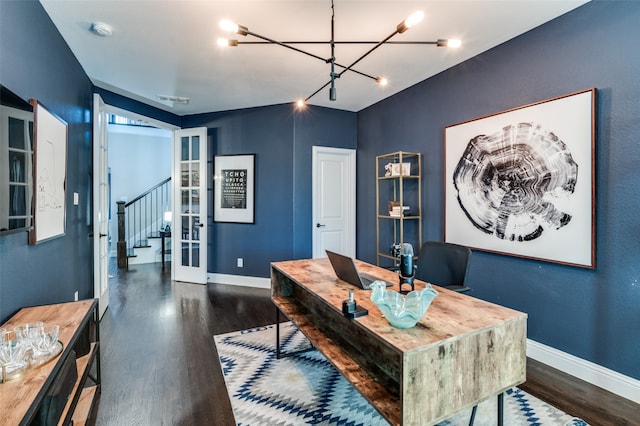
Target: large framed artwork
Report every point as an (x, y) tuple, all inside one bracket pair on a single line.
[(522, 182), (234, 188), (50, 175)]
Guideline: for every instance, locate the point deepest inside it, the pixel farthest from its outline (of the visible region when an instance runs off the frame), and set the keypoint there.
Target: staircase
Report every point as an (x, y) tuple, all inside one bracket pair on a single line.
[(139, 224)]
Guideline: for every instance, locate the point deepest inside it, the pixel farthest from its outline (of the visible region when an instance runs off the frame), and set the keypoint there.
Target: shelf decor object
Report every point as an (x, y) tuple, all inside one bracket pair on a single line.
[(403, 26), (59, 387), (50, 175), (29, 361), (234, 188), (398, 204), (522, 182), (402, 311), (398, 169)]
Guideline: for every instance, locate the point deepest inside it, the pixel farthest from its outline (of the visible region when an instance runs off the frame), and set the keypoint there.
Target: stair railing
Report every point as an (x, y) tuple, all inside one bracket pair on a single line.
[(141, 219)]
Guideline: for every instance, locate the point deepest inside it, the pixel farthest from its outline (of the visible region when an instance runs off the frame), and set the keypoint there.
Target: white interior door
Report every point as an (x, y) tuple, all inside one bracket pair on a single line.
[(189, 233), (334, 201), (100, 205)]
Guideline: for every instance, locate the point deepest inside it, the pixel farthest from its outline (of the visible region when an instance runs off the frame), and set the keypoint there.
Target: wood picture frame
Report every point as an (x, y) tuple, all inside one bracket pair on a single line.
[(50, 175), (522, 182), (234, 188)]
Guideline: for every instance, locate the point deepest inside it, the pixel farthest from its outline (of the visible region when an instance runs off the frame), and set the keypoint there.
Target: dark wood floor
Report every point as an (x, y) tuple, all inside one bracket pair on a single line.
[(160, 365)]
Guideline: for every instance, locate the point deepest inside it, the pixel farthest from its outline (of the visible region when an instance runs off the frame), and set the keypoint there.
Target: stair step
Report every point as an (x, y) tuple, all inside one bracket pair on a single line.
[(141, 244)]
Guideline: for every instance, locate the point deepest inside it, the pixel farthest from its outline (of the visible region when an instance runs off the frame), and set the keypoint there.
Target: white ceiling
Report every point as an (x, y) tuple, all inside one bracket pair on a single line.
[(168, 47)]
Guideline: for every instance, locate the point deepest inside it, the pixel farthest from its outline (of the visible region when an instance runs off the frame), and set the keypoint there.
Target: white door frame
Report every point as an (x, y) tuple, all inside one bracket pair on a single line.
[(349, 206), (185, 246), (108, 109)]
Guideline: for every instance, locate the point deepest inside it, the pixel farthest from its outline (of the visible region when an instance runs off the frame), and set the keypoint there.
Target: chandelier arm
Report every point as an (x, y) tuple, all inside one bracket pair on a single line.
[(272, 41), (295, 49), (369, 52), (338, 42), (317, 91), (358, 72)]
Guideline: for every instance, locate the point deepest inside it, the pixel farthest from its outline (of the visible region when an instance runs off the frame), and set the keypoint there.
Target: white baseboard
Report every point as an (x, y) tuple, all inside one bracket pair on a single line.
[(240, 280), (625, 386)]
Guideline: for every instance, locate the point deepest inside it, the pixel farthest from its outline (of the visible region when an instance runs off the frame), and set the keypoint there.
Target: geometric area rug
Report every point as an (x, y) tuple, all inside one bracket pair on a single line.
[(306, 389)]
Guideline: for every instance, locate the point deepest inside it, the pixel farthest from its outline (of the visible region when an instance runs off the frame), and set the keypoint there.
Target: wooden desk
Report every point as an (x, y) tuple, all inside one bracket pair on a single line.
[(463, 351), (21, 399)]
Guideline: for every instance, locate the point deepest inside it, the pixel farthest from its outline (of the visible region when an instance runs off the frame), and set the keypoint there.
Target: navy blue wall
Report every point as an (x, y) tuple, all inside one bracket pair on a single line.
[(35, 62), (592, 314), (282, 139)]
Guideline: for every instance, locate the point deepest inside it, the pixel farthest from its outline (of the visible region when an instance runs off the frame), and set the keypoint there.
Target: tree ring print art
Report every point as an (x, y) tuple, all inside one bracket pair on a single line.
[(507, 181), (521, 182)]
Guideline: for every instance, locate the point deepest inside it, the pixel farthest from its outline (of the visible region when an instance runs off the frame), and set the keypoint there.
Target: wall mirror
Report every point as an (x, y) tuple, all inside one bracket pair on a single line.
[(16, 163)]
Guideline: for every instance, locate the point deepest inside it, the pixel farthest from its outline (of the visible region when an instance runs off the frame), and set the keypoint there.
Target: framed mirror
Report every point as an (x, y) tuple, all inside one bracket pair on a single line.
[(16, 163)]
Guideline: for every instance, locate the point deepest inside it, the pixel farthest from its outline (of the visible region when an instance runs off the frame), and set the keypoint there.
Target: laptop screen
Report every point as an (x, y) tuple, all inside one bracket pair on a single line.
[(345, 268)]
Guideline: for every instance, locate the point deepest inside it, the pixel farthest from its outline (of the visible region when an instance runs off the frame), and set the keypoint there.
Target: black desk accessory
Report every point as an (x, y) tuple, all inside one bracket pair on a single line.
[(350, 309)]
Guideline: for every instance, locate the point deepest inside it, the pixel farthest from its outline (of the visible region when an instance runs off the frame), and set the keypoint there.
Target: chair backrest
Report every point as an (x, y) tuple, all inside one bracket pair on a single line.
[(443, 264)]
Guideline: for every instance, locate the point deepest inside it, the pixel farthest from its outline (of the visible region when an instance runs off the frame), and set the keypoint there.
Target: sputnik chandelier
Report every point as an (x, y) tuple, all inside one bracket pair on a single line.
[(403, 26)]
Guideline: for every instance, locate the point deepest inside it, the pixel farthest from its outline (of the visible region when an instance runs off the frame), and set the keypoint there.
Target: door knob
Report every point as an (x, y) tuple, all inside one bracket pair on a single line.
[(319, 225)]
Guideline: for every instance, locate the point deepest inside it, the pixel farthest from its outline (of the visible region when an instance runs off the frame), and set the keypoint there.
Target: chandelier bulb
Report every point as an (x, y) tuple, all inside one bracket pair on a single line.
[(381, 81), (454, 43), (414, 19), (301, 103), (223, 42), (228, 26), (448, 42), (232, 27)]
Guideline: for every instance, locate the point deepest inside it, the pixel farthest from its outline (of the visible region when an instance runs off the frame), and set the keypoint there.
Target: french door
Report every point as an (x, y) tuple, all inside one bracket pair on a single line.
[(100, 205), (189, 233)]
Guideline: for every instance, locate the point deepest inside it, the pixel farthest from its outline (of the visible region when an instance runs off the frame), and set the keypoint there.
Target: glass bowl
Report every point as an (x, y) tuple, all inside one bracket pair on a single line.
[(402, 311)]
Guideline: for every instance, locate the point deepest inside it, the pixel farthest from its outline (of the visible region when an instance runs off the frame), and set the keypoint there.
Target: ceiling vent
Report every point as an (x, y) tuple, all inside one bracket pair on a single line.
[(174, 99)]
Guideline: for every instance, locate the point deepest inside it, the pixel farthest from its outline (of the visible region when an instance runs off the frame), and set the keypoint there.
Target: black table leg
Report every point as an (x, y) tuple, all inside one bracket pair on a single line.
[(277, 333), (279, 353), (473, 415), (501, 409)]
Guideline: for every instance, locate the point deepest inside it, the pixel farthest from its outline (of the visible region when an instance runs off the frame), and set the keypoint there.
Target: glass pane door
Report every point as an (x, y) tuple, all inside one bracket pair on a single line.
[(191, 206)]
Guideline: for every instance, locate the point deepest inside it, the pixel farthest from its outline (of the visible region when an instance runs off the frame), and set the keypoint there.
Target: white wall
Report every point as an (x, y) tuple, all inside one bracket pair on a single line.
[(139, 158)]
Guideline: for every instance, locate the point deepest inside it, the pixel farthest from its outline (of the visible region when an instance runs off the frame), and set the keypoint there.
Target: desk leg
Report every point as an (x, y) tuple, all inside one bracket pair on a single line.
[(501, 409), (279, 353), (473, 415), (277, 333)]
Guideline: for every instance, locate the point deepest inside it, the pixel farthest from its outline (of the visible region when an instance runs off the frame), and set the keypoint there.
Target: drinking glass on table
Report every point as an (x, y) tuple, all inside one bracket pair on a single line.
[(43, 339), (12, 349)]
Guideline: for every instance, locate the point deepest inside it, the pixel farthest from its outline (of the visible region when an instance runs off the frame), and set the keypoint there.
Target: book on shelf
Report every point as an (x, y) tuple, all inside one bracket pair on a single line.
[(396, 210)]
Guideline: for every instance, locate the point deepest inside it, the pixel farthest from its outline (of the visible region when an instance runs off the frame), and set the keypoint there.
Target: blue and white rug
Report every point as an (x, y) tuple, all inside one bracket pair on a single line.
[(306, 389)]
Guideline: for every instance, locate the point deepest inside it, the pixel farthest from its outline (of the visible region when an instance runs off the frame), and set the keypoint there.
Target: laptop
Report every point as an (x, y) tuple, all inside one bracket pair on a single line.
[(346, 270)]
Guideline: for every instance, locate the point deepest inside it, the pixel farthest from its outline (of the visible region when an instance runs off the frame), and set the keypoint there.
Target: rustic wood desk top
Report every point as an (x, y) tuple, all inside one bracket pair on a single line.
[(461, 352), (17, 396)]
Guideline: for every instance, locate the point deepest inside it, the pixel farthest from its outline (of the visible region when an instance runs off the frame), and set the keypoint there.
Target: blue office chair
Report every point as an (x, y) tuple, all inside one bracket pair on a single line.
[(444, 264)]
